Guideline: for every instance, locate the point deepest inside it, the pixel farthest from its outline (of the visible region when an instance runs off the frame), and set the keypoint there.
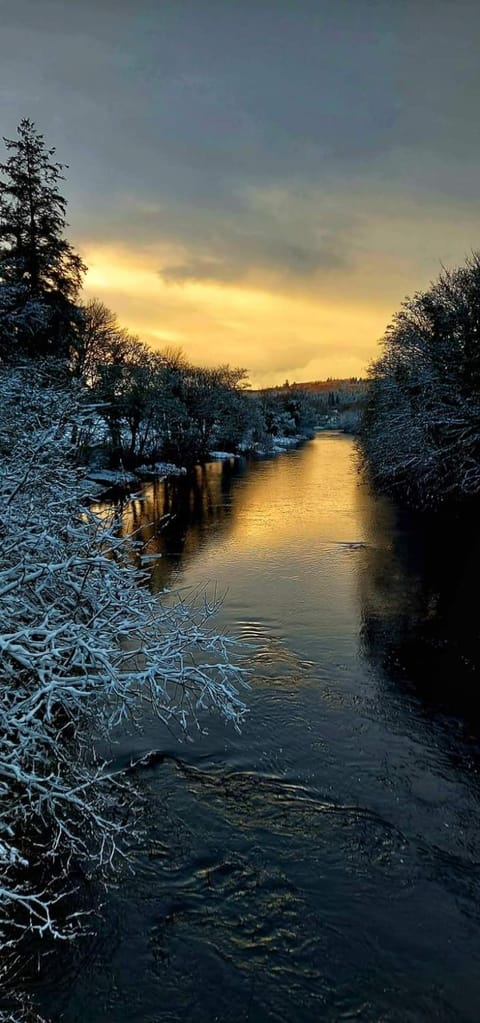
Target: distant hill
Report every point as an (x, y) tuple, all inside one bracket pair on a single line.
[(332, 384)]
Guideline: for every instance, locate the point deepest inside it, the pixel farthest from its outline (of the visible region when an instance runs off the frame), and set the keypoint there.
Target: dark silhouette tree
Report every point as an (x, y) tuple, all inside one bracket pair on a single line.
[(40, 274)]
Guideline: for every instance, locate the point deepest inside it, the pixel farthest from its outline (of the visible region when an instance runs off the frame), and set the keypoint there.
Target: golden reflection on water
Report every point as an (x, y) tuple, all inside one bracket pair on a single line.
[(298, 495), (279, 541), (305, 496)]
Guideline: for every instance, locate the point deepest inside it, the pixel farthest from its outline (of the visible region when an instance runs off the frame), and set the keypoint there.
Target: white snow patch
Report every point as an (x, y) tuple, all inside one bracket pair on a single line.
[(161, 469), (112, 477)]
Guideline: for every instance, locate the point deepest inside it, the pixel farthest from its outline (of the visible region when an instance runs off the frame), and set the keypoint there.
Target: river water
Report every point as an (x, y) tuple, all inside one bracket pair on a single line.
[(325, 863)]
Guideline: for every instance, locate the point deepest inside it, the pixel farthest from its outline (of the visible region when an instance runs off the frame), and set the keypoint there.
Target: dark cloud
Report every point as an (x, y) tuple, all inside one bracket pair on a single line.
[(254, 141), (187, 99), (239, 258)]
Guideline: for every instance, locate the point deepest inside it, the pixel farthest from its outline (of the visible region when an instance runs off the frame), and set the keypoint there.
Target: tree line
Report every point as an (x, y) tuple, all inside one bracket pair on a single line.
[(151, 405)]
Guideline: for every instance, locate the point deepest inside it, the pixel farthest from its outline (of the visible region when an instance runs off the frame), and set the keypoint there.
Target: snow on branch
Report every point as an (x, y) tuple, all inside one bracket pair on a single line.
[(421, 430), (84, 646)]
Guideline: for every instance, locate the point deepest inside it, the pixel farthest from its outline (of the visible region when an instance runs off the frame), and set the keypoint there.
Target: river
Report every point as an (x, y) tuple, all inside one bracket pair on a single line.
[(324, 863)]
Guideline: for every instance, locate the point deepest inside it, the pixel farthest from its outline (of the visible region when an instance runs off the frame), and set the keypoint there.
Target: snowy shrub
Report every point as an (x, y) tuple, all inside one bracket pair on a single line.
[(421, 429), (84, 645)]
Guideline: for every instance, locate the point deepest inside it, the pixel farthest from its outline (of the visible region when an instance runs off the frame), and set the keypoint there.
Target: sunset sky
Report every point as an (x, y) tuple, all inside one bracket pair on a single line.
[(260, 182)]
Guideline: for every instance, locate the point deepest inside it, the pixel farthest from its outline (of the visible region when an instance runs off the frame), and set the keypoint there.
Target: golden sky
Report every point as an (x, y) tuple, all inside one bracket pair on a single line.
[(273, 333), (279, 325)]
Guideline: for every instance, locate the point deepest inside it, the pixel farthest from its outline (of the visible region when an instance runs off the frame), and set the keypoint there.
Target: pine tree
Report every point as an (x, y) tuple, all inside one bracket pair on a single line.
[(40, 274)]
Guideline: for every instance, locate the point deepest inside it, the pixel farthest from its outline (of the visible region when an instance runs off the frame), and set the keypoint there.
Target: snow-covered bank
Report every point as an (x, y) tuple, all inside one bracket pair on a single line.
[(276, 445), (280, 444), (346, 421), (111, 477), (122, 478), (160, 470), (222, 456)]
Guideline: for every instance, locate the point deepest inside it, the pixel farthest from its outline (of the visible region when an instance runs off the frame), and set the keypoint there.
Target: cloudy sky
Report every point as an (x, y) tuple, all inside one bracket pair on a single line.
[(260, 182)]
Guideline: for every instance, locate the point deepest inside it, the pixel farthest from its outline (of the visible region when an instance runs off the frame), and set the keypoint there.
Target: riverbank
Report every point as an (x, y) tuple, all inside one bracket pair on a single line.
[(122, 479)]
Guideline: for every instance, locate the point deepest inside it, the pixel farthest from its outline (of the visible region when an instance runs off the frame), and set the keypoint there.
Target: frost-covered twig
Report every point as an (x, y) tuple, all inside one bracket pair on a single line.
[(83, 646)]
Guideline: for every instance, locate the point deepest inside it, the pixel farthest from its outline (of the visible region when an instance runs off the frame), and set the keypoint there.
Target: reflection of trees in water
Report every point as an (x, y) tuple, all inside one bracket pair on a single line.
[(418, 590), (172, 516)]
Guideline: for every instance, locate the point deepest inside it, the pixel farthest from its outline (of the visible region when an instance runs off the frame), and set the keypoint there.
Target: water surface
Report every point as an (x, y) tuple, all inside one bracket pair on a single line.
[(324, 864)]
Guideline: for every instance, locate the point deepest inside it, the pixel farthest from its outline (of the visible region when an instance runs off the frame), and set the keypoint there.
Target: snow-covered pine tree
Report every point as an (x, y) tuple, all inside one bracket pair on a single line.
[(40, 274)]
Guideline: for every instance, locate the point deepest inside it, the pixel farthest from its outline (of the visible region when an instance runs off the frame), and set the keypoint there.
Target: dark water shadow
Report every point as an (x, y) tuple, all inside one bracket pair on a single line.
[(173, 517), (420, 628)]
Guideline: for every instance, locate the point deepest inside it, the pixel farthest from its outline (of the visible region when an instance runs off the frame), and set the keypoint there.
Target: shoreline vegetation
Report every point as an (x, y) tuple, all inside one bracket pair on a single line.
[(122, 479), (420, 435)]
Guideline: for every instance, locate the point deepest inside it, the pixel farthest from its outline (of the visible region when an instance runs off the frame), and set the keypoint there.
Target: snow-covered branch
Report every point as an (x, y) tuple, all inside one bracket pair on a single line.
[(421, 432), (83, 646)]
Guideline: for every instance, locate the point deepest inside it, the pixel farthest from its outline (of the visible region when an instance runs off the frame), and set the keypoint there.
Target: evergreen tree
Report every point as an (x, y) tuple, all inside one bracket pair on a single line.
[(40, 274)]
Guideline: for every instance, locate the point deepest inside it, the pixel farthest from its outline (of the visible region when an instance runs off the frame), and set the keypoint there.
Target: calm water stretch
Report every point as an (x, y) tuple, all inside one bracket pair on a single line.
[(324, 864)]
